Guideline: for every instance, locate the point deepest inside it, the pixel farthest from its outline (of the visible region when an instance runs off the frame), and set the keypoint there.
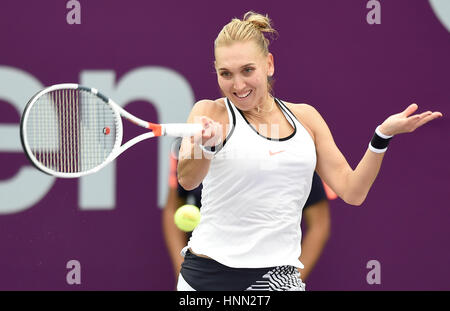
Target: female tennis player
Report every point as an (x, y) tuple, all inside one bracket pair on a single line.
[(257, 158)]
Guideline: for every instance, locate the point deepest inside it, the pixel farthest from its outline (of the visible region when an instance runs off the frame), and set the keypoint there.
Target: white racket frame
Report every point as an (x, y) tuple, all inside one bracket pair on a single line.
[(169, 129)]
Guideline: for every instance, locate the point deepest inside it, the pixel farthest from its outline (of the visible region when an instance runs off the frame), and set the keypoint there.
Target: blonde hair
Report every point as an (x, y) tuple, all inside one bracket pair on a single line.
[(253, 26)]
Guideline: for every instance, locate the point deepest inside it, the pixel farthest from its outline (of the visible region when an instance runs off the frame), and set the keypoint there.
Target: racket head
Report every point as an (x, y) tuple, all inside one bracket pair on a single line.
[(68, 130)]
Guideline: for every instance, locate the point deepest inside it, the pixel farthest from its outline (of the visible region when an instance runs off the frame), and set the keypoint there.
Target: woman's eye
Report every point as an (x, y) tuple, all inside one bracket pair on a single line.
[(248, 69), (225, 74)]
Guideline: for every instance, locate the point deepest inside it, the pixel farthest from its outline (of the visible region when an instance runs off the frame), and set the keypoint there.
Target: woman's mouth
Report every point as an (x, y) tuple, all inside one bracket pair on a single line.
[(243, 95)]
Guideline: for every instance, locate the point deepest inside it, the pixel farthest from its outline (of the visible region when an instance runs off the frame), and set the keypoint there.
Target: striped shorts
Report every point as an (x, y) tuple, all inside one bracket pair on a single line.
[(204, 274)]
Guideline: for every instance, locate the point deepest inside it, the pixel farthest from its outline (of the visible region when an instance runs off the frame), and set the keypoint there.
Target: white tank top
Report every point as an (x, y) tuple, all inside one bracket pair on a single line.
[(253, 196)]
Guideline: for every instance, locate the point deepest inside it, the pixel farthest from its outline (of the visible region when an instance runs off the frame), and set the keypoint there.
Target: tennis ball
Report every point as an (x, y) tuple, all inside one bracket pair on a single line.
[(187, 217)]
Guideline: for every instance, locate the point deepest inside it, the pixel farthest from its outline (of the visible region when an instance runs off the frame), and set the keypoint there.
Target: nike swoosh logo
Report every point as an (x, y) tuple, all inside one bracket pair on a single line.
[(274, 153)]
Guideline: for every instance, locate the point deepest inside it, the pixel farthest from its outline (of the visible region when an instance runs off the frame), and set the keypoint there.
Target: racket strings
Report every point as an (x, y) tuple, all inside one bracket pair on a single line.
[(71, 130)]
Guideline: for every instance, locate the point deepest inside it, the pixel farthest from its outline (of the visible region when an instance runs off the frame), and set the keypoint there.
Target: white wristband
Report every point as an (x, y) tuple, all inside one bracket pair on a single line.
[(379, 140)]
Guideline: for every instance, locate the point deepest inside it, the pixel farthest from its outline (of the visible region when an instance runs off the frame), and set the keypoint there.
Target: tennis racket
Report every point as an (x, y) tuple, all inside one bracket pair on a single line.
[(68, 130)]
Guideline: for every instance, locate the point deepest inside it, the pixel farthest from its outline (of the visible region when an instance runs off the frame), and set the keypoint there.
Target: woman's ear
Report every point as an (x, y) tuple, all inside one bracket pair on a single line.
[(270, 65)]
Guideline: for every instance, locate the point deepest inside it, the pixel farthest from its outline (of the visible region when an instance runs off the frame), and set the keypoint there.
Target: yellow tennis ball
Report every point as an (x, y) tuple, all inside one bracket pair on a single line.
[(187, 217)]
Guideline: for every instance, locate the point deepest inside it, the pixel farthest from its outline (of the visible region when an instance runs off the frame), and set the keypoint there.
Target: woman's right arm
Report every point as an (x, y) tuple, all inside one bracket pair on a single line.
[(193, 164)]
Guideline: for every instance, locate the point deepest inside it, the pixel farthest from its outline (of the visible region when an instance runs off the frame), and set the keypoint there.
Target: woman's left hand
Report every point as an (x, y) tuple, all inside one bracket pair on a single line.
[(405, 122)]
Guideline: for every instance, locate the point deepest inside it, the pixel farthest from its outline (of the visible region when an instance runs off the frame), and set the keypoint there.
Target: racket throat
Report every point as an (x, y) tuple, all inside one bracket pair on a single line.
[(156, 129)]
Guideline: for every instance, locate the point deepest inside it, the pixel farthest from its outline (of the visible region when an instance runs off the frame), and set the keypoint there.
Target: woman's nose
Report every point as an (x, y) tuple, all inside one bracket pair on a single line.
[(238, 84)]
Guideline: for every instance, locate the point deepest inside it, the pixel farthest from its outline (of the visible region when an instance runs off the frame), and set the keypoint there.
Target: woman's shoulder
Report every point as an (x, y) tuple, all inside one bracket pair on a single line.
[(211, 105), (214, 109), (301, 108), (306, 114)]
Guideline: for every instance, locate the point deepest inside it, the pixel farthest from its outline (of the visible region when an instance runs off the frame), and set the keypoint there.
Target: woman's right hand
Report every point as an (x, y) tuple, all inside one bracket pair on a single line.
[(211, 135)]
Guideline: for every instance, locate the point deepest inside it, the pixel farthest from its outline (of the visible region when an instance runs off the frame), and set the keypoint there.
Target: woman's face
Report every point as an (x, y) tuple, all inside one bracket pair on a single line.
[(242, 71)]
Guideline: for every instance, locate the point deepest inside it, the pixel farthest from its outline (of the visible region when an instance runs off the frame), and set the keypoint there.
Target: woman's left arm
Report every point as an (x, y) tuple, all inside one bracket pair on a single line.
[(353, 185)]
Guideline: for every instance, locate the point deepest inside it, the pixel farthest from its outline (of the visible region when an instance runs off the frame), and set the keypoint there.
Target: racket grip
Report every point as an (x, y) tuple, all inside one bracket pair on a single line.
[(181, 129)]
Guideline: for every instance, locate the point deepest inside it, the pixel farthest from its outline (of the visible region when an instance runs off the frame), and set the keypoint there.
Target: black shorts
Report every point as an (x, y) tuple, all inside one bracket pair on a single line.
[(204, 274)]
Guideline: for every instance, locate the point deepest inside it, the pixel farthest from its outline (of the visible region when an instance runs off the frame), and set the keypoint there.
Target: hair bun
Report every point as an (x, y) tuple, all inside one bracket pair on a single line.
[(261, 22), (253, 26)]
